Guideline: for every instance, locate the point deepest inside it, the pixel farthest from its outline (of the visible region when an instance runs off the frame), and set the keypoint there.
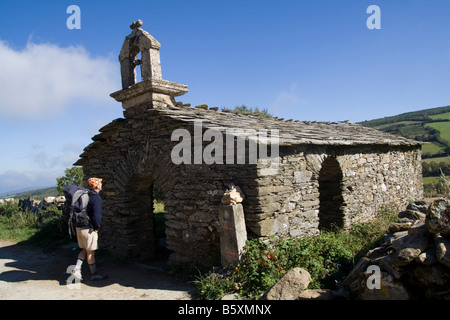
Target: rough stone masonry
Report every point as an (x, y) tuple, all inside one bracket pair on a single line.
[(329, 175)]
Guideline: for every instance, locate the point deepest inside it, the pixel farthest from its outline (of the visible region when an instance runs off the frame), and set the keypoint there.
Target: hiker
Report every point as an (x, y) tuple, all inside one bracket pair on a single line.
[(87, 235)]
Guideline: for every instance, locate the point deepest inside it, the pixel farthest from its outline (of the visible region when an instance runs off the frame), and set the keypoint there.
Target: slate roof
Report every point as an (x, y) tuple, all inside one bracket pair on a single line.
[(292, 132)]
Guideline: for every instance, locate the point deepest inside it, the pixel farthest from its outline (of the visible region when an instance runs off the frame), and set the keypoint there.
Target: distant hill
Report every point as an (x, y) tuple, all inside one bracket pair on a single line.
[(431, 126), (37, 194)]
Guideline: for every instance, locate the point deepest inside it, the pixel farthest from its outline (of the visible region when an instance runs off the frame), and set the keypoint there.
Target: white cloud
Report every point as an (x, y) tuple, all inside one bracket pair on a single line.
[(288, 98), (57, 161), (12, 180), (42, 79), (288, 102)]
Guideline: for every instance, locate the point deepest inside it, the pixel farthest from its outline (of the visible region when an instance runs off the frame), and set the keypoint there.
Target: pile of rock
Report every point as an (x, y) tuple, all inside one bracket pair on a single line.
[(414, 260), (34, 206)]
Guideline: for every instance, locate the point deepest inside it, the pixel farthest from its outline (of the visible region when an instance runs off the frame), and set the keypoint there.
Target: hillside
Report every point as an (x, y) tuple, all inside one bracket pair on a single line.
[(431, 126), (36, 194)]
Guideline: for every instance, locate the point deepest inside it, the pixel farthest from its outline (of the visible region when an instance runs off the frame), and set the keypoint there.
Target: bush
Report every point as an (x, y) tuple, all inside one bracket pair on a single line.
[(328, 257), (9, 208), (44, 228), (15, 224)]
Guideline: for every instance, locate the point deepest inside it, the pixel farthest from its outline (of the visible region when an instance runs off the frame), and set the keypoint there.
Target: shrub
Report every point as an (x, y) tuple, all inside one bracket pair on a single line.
[(9, 208), (15, 224), (44, 228), (328, 257)]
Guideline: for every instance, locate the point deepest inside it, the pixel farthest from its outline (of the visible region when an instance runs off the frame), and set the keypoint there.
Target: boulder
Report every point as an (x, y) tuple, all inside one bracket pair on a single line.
[(352, 280), (391, 289), (428, 257), (290, 286), (430, 276), (398, 226), (317, 294), (443, 250), (386, 264), (420, 206), (396, 240), (231, 296), (412, 215), (411, 248), (438, 217)]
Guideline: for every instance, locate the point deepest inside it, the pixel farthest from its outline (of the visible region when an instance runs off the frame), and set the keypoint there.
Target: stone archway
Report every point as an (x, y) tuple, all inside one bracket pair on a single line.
[(145, 230), (331, 213), (141, 227)]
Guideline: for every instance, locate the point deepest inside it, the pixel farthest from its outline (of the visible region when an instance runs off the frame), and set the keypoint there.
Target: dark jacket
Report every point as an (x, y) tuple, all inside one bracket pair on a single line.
[(94, 209)]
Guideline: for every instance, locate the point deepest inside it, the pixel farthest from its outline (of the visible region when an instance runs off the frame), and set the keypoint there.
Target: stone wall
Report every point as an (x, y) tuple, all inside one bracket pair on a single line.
[(413, 261), (290, 203), (130, 155)]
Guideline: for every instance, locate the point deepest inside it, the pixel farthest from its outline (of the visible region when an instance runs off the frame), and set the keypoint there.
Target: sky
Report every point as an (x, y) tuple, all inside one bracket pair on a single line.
[(311, 60)]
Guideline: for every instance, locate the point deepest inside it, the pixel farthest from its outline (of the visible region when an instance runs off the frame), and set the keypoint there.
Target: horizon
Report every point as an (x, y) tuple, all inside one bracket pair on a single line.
[(306, 60)]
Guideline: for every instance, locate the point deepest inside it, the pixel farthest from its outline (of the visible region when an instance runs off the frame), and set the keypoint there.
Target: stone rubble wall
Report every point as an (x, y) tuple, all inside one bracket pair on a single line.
[(413, 261), (289, 203)]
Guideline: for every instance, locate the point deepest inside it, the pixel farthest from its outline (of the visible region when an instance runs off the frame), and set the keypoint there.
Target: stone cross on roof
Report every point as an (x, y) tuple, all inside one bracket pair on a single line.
[(152, 87), (136, 25)]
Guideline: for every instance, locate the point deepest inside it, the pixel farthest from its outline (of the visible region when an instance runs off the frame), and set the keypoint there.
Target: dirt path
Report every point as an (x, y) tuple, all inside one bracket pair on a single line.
[(28, 272)]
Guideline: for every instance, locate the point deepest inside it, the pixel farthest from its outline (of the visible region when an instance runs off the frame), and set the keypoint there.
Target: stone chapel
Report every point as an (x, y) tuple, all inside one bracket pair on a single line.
[(327, 174)]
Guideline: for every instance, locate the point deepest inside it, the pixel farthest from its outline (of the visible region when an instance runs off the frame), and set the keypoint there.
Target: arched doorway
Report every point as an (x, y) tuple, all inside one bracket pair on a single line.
[(331, 215), (146, 218)]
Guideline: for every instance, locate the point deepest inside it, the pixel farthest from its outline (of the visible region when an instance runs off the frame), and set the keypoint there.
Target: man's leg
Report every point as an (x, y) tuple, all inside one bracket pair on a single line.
[(91, 261), (81, 258), (82, 255), (77, 270), (93, 267)]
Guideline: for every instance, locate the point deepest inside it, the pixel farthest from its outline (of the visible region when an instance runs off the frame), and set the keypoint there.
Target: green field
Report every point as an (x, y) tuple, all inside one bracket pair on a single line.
[(430, 126), (442, 116), (443, 128), (428, 180), (433, 147), (438, 160)]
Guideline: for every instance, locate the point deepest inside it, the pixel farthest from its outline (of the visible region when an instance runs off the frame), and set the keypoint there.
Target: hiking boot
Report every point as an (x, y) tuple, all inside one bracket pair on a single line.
[(76, 273), (98, 277)]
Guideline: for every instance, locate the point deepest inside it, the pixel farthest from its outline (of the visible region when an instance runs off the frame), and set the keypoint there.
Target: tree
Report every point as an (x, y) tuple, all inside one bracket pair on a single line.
[(426, 169), (72, 175)]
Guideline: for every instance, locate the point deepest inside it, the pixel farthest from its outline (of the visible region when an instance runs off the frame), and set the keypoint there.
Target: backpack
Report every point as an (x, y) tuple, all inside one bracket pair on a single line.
[(77, 199)]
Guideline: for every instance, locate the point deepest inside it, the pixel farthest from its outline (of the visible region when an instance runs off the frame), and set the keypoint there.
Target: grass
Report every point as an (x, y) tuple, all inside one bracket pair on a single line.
[(328, 257), (160, 221), (15, 224), (443, 128), (433, 147), (44, 229), (441, 116), (428, 180), (438, 160), (9, 230)]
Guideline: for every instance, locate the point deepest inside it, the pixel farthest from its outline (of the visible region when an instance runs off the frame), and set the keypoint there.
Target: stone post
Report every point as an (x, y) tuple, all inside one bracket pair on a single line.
[(233, 233)]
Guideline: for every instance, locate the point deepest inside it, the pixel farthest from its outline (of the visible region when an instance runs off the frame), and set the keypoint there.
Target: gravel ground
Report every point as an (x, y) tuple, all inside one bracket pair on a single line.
[(32, 273)]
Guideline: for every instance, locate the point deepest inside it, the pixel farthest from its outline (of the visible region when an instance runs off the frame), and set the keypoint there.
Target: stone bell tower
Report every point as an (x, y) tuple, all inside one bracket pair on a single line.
[(152, 90)]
